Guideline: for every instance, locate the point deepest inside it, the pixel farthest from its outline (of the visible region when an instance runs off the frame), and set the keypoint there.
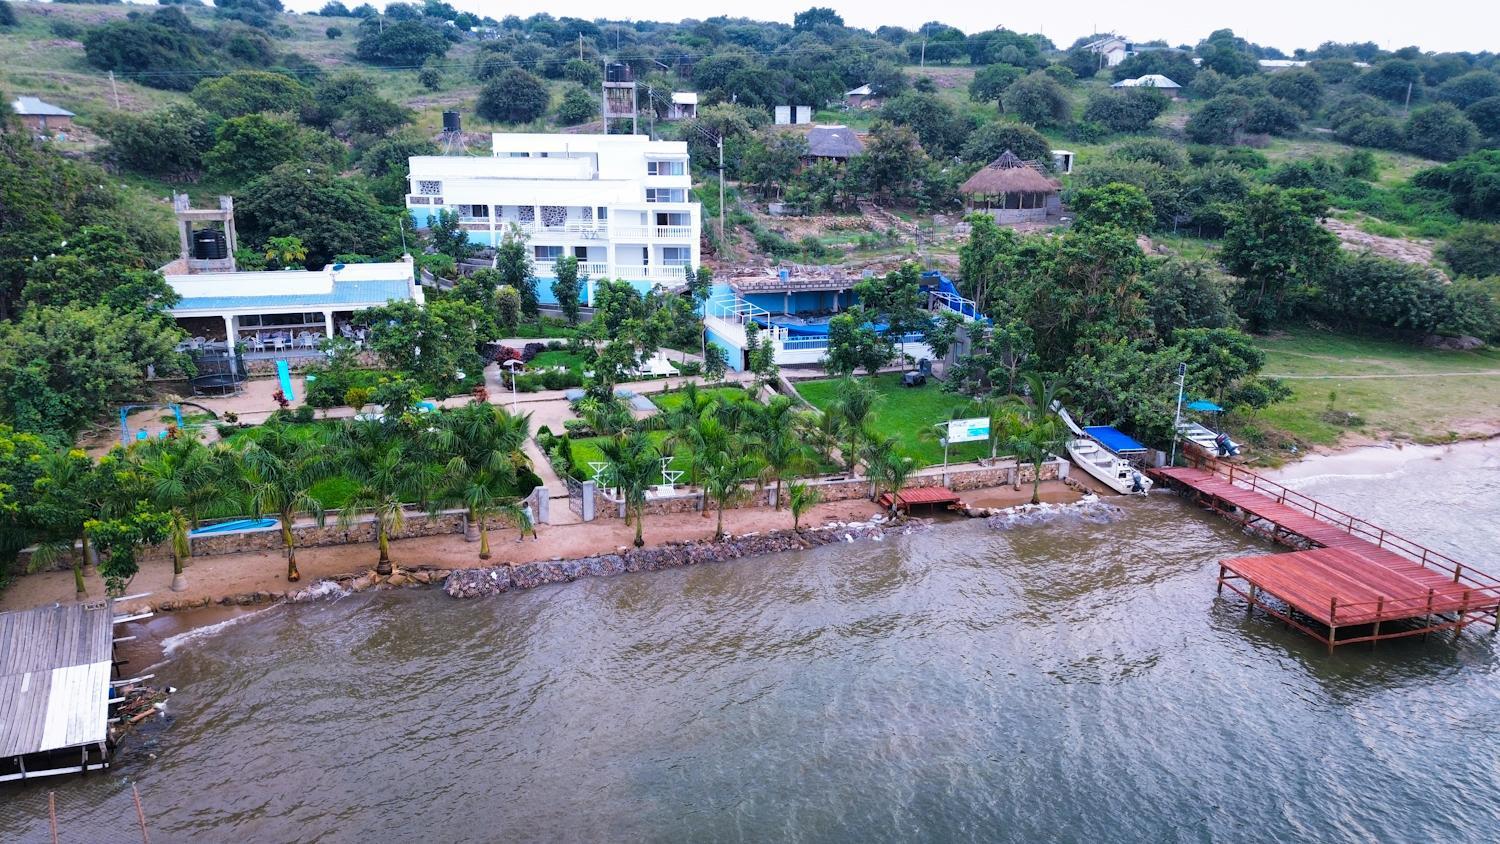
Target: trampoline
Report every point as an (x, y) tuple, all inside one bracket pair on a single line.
[(216, 385), (217, 374)]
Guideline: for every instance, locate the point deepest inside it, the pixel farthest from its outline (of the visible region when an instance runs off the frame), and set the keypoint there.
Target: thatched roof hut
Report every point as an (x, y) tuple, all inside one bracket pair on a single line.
[(836, 142), (1010, 184)]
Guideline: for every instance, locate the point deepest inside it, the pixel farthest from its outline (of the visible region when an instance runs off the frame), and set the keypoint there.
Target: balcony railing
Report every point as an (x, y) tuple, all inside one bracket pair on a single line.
[(653, 232), (548, 269)]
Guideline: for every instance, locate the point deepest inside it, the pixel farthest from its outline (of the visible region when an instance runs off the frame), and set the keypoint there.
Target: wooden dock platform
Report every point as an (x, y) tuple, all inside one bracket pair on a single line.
[(1349, 581)]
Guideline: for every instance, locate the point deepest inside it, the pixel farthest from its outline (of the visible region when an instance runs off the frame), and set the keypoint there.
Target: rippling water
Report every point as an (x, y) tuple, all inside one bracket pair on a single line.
[(1064, 682)]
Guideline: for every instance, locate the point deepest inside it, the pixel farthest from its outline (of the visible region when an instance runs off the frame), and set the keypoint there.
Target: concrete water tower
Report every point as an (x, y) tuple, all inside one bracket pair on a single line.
[(620, 96), (206, 236)]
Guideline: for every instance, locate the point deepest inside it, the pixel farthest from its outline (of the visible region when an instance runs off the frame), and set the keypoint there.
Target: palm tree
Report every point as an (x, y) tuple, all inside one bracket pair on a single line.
[(278, 471), (71, 490), (184, 479), (285, 251), (781, 442), (482, 444), (890, 467), (389, 469), (853, 408), (800, 499), (632, 464), (1041, 433), (724, 480)]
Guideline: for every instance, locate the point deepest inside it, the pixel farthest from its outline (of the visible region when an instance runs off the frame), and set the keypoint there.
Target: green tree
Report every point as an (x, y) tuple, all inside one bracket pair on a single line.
[(853, 343), (853, 410), (447, 234), (631, 464), (513, 97), (989, 141), (1471, 182), (1440, 131), (99, 264), (480, 445), (986, 260), (513, 262), (990, 82), (332, 216), (406, 43), (1473, 249), (283, 252), (800, 499), (780, 442), (1115, 204), (577, 106), (248, 146), (568, 288), (243, 92), (1037, 99), (278, 471), (1189, 293), (68, 491), (770, 163), (118, 539), (724, 479), (61, 367), (1276, 244), (889, 467), (1299, 86), (1042, 433), (1126, 109), (1220, 120), (1392, 80), (938, 125), (185, 481), (431, 344), (389, 471), (715, 363), (169, 142)]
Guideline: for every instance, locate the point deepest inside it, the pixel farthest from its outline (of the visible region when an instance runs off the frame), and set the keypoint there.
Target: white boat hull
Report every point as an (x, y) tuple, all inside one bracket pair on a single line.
[(1108, 468)]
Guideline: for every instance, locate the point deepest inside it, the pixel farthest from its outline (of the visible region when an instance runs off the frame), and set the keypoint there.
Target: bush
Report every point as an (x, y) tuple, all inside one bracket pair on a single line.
[(577, 106), (303, 413), (1154, 150), (1486, 115), (1440, 131), (1219, 121), (690, 367), (1126, 110), (333, 33), (989, 141), (1473, 250), (66, 29), (1039, 100), (990, 82)]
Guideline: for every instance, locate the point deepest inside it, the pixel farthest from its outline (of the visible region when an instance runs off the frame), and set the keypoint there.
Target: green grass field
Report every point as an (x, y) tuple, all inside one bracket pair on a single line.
[(558, 357), (589, 450), (909, 414), (674, 399), (1397, 390)]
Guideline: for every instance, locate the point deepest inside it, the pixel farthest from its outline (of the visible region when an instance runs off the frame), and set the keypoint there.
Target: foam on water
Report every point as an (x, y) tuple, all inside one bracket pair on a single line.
[(170, 644)]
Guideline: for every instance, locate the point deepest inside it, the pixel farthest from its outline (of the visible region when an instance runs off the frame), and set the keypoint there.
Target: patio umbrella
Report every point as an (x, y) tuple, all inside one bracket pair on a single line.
[(1205, 406)]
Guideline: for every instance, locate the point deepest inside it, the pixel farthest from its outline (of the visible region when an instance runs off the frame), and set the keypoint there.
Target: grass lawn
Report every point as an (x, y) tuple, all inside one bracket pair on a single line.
[(674, 399), (908, 413), (589, 450), (559, 357), (1398, 390)]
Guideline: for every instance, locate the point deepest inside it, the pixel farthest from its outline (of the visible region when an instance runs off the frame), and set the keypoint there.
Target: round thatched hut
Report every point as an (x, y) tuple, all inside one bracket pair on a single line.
[(1012, 191)]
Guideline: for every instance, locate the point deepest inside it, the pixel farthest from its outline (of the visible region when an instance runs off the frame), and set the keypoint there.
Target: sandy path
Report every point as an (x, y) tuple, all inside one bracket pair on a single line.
[(234, 574)]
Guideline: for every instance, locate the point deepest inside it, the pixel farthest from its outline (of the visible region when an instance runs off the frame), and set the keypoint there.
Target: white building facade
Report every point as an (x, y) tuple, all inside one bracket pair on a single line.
[(620, 204)]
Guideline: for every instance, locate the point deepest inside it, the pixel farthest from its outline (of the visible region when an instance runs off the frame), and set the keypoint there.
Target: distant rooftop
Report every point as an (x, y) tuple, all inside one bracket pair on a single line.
[(31, 106), (1150, 80)]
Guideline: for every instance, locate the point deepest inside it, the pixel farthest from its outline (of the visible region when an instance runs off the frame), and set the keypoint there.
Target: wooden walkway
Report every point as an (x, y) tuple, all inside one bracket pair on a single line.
[(1356, 577)]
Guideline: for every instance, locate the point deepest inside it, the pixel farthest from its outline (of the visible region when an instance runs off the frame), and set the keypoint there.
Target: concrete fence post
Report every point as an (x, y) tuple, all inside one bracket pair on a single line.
[(543, 504), (587, 497)]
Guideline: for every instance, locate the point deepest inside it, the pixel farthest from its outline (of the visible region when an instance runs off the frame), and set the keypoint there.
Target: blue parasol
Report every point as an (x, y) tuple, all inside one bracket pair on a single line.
[(1205, 406)]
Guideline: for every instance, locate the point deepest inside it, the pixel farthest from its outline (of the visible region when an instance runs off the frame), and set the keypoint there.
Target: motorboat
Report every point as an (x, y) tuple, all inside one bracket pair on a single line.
[(1212, 444), (1109, 468)]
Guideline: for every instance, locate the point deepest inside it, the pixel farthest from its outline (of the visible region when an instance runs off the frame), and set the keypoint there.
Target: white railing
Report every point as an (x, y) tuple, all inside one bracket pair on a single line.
[(585, 231), (654, 272), (653, 232), (966, 308), (737, 311), (548, 269)]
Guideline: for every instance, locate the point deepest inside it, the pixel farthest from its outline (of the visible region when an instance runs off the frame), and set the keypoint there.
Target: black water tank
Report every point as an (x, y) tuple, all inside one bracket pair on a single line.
[(617, 72), (210, 245), (451, 122)]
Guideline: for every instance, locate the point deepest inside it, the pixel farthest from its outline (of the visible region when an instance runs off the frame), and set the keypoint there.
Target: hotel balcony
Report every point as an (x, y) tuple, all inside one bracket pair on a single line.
[(667, 274)]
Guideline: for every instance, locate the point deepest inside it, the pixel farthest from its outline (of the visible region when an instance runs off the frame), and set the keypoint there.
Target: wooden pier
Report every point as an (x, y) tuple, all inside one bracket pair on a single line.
[(1349, 581)]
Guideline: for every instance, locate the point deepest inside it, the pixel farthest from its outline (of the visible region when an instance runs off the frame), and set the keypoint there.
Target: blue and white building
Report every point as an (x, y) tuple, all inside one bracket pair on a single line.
[(620, 204), (793, 306)]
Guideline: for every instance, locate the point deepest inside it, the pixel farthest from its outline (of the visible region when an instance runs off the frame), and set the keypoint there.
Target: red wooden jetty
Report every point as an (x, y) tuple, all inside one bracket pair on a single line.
[(922, 496), (1348, 574)]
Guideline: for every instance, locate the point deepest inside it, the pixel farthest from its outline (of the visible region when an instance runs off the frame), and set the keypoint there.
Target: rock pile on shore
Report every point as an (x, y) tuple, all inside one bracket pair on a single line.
[(479, 583)]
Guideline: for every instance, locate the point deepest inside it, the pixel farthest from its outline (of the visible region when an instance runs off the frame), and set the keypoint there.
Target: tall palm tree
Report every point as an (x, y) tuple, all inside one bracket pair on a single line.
[(853, 409), (71, 490), (185, 479), (724, 480), (277, 472), (1041, 433), (782, 442), (631, 466), (481, 445), (390, 469)]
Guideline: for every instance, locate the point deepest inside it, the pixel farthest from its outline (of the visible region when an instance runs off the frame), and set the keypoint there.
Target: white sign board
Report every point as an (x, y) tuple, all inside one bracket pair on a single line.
[(968, 430)]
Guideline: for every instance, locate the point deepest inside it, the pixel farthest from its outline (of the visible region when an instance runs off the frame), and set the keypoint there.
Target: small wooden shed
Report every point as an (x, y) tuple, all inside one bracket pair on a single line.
[(1012, 191)]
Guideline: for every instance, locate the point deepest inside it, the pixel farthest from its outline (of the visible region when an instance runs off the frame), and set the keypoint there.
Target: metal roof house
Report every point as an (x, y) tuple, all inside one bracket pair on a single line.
[(41, 116), (684, 105), (55, 665), (1112, 49), (839, 143), (1151, 80)]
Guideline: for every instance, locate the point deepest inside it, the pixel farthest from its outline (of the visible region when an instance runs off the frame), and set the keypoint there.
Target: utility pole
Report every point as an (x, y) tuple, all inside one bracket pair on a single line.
[(580, 46), (923, 61), (114, 90), (723, 243), (1406, 106)]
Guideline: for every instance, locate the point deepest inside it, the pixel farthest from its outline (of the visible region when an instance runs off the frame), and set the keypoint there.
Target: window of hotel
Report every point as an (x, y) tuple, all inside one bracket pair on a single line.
[(664, 194), (676, 256), (520, 155), (581, 253), (603, 213), (664, 168), (548, 253), (429, 187)]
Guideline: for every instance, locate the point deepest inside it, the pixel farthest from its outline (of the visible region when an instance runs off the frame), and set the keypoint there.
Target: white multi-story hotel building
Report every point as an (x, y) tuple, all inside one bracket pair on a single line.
[(619, 203)]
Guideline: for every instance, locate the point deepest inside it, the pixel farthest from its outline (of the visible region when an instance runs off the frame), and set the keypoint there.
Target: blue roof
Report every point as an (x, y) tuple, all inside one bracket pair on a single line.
[(343, 293), (1112, 439)]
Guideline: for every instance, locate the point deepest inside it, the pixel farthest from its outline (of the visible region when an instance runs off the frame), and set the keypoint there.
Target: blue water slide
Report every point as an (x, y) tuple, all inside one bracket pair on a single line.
[(284, 375)]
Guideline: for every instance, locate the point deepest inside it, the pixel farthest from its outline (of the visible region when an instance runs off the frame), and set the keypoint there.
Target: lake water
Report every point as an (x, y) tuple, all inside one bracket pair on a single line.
[(1061, 682)]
